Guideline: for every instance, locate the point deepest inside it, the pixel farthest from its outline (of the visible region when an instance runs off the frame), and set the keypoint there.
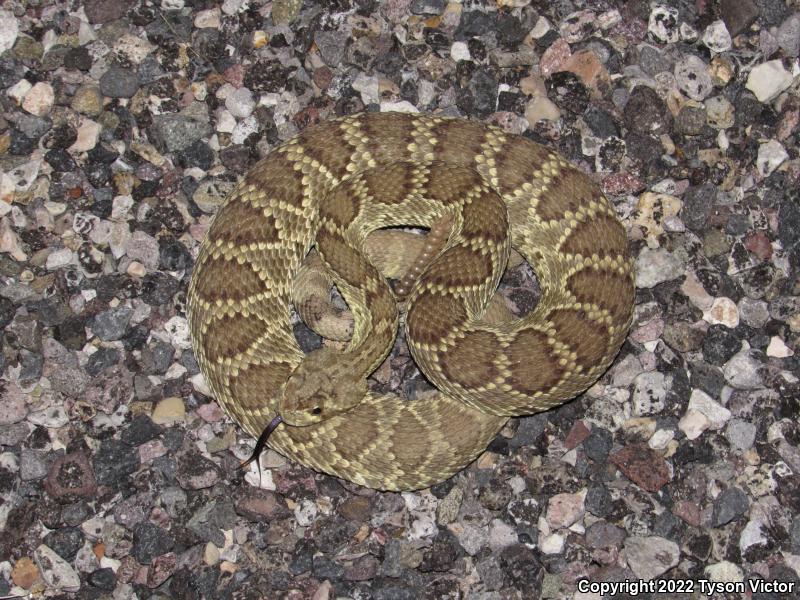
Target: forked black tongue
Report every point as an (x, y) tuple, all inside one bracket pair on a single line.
[(262, 442)]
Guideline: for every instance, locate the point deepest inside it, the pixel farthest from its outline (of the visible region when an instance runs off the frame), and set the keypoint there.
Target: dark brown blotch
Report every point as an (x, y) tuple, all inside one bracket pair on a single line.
[(230, 335), (254, 386), (470, 361), (344, 260), (241, 223), (341, 206), (451, 184), (244, 284), (389, 135), (568, 190), (459, 266), (603, 235), (459, 142), (607, 289), (278, 179), (390, 184), (486, 216), (517, 161), (587, 338), (433, 316), (533, 363)]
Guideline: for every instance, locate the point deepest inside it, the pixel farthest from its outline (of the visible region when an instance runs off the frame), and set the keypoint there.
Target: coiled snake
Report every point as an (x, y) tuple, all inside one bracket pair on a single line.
[(330, 187)]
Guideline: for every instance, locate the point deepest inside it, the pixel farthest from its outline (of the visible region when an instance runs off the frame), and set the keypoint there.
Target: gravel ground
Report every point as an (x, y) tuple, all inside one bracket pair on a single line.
[(124, 124)]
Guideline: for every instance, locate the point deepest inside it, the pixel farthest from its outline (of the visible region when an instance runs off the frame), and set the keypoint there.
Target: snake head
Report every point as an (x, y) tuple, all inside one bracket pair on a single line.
[(321, 387)]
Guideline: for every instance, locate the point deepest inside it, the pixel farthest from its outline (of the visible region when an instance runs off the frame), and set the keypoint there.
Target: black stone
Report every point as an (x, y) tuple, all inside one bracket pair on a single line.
[(105, 579), (65, 542), (729, 506), (102, 359), (598, 444), (720, 344), (150, 541), (114, 461)]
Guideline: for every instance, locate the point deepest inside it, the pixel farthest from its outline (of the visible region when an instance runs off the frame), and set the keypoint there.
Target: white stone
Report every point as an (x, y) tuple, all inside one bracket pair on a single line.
[(231, 7), (693, 424), (541, 108), (769, 79), (135, 48), (656, 265), (649, 393), (542, 27), (552, 544), (688, 33), (771, 155), (565, 509), (752, 535), (650, 557), (725, 572), (609, 19), (207, 19), (172, 4), (661, 439), (403, 106), (663, 24), (87, 135), (723, 312), (777, 348), (178, 330), (240, 103), (39, 100), (226, 122), (501, 535), (716, 37), (57, 573), (459, 51), (9, 29), (742, 371), (19, 90), (305, 512), (244, 129), (717, 414), (59, 258)]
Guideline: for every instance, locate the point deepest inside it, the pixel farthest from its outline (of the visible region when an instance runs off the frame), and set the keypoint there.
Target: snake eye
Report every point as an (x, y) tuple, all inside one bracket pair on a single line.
[(316, 410)]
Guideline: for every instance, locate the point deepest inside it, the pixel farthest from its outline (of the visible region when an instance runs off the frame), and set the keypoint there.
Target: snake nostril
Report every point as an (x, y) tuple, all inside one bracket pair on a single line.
[(316, 410)]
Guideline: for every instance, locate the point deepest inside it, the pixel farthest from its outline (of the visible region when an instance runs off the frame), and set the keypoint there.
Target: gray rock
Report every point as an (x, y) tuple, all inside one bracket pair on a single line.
[(651, 556), (150, 541), (729, 506), (693, 78), (173, 133), (112, 324), (742, 371), (789, 35), (114, 461), (119, 82), (654, 266), (33, 464), (741, 434), (738, 14), (332, 46), (691, 120)]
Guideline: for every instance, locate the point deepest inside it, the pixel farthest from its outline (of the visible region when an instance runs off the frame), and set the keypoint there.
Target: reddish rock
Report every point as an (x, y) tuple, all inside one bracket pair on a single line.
[(261, 505), (645, 467), (622, 183), (71, 477), (161, 569), (758, 243), (576, 435), (554, 57), (688, 511)]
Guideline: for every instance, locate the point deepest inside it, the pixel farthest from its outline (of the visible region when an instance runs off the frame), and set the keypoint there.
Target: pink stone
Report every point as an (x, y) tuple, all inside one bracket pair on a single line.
[(554, 57), (211, 412)]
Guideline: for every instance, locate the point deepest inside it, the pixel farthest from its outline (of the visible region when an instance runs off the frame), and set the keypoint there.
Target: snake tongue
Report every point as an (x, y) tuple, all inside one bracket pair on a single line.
[(262, 442)]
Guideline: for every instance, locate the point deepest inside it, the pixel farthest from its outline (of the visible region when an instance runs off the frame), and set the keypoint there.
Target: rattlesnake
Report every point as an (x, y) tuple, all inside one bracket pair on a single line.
[(331, 186)]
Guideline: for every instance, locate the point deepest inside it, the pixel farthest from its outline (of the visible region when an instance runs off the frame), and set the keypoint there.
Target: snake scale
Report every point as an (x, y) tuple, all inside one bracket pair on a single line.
[(332, 185)]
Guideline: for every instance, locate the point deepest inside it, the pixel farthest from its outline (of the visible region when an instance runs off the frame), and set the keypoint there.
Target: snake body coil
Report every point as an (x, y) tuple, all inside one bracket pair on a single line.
[(334, 184)]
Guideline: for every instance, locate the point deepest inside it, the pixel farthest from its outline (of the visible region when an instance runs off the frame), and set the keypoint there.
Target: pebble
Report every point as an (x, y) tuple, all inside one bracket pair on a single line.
[(717, 38), (741, 434), (169, 411), (240, 103), (643, 466), (769, 79), (729, 506), (564, 510), (742, 371), (650, 556), (119, 82), (649, 393), (57, 573), (723, 311), (654, 266), (777, 348), (724, 572), (173, 133), (112, 324), (9, 30), (39, 100), (788, 35), (771, 155), (663, 24), (693, 78), (719, 112)]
